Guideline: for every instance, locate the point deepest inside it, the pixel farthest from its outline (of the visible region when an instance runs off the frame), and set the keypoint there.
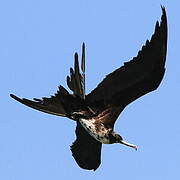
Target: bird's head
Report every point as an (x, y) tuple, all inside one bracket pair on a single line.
[(116, 138)]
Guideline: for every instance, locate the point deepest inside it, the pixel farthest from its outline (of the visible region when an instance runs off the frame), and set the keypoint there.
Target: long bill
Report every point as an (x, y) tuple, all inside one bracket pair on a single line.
[(128, 144)]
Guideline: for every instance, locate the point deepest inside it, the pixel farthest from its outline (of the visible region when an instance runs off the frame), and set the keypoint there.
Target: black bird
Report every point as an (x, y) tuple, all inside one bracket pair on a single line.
[(96, 113)]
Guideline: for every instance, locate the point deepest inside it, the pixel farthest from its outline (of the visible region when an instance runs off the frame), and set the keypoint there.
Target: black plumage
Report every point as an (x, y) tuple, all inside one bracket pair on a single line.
[(96, 113)]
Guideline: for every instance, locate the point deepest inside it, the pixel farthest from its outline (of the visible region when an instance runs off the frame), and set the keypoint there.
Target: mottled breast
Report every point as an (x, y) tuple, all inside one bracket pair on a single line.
[(97, 131)]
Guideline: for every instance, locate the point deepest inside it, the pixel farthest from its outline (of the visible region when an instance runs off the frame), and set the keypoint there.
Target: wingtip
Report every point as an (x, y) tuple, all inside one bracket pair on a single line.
[(76, 62), (163, 23), (83, 58), (83, 45), (163, 12), (163, 8), (75, 56), (13, 96)]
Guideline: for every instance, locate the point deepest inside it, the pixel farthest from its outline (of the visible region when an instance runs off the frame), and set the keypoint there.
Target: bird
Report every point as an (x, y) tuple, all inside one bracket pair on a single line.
[(95, 114)]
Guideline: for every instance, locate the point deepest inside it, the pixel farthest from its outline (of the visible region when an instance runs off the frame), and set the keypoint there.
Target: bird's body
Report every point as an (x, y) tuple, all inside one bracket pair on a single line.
[(97, 131), (95, 114)]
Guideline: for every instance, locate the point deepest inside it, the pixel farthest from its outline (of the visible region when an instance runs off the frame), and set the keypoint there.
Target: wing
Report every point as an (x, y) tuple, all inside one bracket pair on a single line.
[(63, 103), (56, 105), (76, 80), (137, 77), (86, 150)]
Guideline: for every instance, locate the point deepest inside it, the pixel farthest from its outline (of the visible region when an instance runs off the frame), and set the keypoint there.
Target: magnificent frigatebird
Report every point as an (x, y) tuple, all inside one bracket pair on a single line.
[(96, 113)]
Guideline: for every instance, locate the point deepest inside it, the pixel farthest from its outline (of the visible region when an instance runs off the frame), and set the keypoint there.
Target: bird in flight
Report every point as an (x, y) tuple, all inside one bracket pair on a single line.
[(96, 113)]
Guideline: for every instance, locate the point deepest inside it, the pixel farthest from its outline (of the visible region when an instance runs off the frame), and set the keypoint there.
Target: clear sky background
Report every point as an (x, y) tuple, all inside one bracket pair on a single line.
[(37, 41)]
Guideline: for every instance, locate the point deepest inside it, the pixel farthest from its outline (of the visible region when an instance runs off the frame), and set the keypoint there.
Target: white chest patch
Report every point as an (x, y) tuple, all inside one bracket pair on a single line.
[(100, 133)]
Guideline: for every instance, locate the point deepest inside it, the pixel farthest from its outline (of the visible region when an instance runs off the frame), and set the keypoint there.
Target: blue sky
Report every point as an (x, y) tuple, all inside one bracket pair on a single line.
[(37, 41)]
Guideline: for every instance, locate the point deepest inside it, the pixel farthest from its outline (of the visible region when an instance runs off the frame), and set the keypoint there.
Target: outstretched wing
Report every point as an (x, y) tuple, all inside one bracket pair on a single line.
[(137, 77), (56, 104), (86, 150), (63, 103), (76, 80)]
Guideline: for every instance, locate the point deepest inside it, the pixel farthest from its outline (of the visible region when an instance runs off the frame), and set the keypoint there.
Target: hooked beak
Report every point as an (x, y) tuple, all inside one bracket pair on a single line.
[(128, 144)]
